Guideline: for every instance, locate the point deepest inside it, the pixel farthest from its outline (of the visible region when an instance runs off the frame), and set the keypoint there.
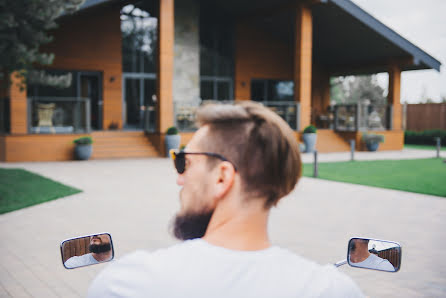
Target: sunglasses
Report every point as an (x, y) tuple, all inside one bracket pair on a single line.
[(179, 158)]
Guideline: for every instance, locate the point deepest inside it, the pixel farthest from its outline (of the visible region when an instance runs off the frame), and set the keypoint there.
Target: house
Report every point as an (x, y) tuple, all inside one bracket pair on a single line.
[(134, 68)]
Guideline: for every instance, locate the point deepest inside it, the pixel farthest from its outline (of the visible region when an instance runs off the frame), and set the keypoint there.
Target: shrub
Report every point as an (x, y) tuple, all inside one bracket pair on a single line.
[(172, 131), (83, 141), (426, 137), (372, 138), (310, 129)]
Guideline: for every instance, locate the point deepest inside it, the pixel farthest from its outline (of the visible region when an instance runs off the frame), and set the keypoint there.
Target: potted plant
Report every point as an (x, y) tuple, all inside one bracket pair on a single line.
[(309, 138), (172, 139), (83, 148), (372, 141)]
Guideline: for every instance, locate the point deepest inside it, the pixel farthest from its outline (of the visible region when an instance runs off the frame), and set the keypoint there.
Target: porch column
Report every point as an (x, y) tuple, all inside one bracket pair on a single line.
[(165, 65), (394, 96), (303, 61), (18, 107)]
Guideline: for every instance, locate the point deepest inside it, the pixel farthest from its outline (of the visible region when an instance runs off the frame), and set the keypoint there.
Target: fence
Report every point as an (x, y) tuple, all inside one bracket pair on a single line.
[(355, 117), (185, 112), (58, 115), (76, 247), (425, 116)]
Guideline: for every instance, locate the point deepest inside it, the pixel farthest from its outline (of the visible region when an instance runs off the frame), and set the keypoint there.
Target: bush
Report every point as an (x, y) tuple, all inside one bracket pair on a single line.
[(310, 129), (83, 141), (426, 137), (172, 131), (369, 138)]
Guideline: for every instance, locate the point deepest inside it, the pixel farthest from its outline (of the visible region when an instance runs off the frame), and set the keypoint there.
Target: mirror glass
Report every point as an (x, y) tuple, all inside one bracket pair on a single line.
[(87, 250), (374, 254)]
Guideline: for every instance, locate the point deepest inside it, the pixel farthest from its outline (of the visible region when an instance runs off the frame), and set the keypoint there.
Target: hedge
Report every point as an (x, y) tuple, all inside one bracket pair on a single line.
[(426, 137)]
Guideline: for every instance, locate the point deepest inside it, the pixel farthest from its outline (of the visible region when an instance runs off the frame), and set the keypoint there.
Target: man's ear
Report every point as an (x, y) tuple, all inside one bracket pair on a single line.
[(224, 179)]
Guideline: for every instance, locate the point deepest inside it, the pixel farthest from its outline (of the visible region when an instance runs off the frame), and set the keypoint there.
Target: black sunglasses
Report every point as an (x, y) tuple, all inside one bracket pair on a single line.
[(179, 158)]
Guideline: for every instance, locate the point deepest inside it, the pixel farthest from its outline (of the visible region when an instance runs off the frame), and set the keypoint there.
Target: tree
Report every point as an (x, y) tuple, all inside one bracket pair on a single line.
[(355, 89), (24, 26)]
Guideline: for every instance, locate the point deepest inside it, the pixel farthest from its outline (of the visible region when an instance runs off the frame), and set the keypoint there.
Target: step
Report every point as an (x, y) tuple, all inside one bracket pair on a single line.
[(116, 133), (122, 154)]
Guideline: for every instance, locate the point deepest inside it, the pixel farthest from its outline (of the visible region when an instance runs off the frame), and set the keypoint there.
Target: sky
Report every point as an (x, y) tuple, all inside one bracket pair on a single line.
[(424, 24)]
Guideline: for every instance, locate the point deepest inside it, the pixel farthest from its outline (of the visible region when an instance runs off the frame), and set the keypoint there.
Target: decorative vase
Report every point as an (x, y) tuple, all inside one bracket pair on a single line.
[(172, 142), (372, 146), (83, 152), (309, 141)]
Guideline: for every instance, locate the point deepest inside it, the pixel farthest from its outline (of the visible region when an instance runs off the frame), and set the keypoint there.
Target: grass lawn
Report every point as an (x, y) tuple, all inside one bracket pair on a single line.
[(20, 188), (423, 147), (426, 176)]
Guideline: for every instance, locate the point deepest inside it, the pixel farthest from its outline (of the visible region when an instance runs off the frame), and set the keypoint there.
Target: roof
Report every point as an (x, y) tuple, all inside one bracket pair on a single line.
[(346, 39), (420, 57)]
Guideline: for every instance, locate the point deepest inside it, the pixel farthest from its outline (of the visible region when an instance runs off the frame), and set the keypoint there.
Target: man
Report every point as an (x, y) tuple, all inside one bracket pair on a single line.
[(100, 251), (241, 162), (360, 256)]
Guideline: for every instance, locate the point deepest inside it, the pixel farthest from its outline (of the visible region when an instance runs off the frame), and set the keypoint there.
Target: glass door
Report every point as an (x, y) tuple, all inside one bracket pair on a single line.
[(90, 86), (139, 107)]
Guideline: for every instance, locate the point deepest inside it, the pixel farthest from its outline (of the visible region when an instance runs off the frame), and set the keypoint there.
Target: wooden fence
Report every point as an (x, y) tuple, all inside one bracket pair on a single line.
[(391, 254), (76, 247), (425, 116)]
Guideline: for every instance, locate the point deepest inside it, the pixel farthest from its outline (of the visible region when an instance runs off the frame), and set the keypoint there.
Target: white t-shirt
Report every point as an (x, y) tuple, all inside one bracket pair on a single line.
[(197, 269), (78, 261), (375, 262)]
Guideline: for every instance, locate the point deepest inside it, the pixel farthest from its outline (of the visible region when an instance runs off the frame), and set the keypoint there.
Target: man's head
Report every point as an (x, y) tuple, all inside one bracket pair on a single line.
[(100, 244), (254, 156)]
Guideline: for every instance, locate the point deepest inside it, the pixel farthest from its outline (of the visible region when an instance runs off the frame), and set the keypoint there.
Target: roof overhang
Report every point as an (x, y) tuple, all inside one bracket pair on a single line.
[(346, 39)]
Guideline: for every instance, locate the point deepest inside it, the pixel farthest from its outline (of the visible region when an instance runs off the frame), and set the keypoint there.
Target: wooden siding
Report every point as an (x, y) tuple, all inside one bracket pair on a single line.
[(165, 61), (91, 41), (18, 107), (426, 116), (39, 147), (259, 55), (394, 96), (303, 51), (52, 147)]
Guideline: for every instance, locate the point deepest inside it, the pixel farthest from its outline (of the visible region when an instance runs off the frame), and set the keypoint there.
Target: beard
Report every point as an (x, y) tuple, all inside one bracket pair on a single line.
[(191, 225), (100, 248)]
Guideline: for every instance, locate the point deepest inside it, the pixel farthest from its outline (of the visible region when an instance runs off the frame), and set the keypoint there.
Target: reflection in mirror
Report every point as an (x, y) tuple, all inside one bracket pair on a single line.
[(87, 250), (374, 254)]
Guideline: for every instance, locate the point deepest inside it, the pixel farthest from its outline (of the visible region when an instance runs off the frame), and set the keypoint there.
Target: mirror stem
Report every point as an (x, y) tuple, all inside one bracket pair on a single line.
[(340, 263)]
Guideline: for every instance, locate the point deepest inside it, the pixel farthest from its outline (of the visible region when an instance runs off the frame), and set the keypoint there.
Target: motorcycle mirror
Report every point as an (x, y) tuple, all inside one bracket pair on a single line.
[(87, 250), (374, 254)]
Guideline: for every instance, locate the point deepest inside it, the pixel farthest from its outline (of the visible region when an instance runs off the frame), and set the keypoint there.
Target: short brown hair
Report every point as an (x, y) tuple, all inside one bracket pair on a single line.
[(258, 142)]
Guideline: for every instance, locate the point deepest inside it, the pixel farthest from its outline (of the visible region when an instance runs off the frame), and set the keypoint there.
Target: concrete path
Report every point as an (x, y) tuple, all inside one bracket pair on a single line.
[(134, 200)]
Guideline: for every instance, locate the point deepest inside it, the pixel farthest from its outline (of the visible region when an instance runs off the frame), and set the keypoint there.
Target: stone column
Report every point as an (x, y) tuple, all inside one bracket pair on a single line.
[(186, 78)]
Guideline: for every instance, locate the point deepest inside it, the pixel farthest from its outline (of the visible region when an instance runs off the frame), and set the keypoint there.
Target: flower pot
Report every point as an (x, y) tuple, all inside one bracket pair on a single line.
[(172, 142), (83, 152), (372, 146), (309, 141)]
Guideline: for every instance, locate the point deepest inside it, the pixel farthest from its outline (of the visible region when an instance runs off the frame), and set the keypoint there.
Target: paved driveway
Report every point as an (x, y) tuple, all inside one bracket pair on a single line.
[(134, 200)]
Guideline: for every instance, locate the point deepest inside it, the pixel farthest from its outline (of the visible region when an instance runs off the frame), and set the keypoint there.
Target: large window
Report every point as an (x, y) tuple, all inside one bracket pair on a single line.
[(272, 90), (139, 62), (216, 57)]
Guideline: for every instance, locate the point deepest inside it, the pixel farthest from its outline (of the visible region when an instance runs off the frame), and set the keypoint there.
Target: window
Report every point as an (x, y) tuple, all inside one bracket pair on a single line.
[(272, 90), (216, 56)]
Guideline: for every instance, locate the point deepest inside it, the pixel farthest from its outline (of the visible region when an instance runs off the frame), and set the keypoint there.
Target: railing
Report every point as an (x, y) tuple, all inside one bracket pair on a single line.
[(59, 115), (185, 112), (356, 117), (149, 118)]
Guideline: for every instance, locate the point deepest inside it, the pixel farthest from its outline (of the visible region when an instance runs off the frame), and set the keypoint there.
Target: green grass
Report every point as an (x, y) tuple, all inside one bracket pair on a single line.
[(20, 188), (426, 176), (423, 147)]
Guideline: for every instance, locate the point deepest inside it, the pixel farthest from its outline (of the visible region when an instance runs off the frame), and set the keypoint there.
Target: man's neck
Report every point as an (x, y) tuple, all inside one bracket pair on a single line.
[(244, 230), (101, 257)]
